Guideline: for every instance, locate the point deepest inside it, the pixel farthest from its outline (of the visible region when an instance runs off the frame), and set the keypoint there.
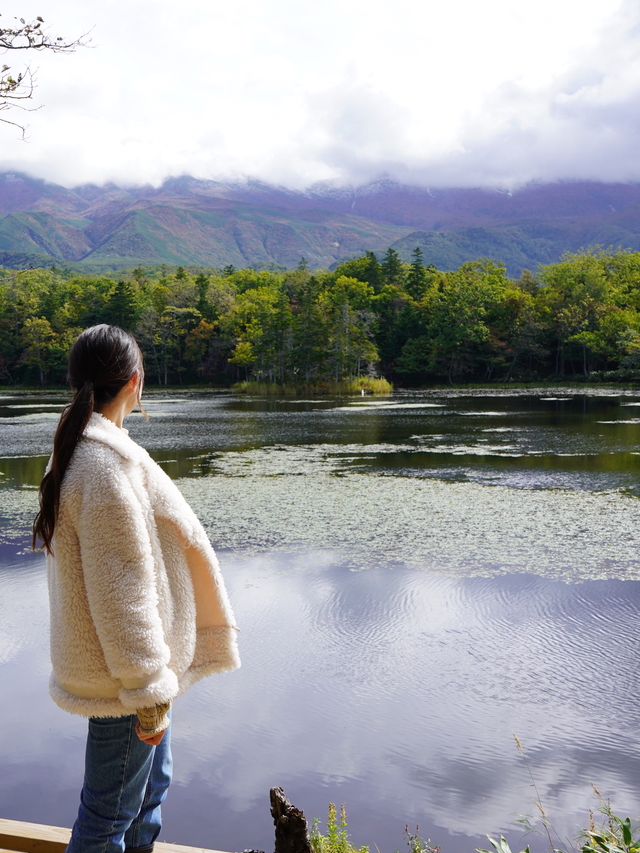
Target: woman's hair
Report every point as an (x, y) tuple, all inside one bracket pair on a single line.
[(101, 362)]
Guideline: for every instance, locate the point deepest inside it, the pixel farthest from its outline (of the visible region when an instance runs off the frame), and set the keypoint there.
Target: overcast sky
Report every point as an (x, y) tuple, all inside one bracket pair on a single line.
[(462, 92)]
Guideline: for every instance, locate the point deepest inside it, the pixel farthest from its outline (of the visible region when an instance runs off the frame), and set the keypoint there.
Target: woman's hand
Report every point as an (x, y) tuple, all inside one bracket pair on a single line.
[(153, 722), (151, 740)]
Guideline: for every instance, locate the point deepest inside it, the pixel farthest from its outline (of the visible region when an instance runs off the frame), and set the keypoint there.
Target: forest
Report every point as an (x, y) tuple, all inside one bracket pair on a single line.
[(373, 316)]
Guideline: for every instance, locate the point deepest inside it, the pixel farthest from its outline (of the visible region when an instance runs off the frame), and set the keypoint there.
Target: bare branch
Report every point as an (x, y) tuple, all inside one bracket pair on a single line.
[(14, 124), (27, 35)]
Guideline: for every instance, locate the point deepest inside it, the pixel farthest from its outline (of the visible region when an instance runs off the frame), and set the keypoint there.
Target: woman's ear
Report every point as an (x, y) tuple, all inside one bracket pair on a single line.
[(134, 383)]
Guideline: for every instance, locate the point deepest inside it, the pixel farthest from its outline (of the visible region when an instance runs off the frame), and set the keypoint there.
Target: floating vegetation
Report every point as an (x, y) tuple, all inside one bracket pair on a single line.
[(258, 500), (313, 497)]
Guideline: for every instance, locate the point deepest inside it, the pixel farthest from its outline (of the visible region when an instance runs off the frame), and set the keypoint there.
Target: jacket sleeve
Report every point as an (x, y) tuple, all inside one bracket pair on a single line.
[(154, 720), (119, 575)]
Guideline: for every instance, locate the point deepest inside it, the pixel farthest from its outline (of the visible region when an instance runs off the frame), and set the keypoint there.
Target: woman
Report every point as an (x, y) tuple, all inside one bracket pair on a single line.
[(138, 606)]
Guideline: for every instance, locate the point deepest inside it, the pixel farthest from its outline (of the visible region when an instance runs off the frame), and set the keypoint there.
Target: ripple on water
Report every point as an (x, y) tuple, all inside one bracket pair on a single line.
[(21, 595), (412, 682), (489, 414), (372, 405), (35, 405), (474, 449), (411, 675)]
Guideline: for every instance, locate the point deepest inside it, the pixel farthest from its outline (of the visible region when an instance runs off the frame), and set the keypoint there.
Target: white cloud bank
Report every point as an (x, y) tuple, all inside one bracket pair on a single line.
[(293, 92)]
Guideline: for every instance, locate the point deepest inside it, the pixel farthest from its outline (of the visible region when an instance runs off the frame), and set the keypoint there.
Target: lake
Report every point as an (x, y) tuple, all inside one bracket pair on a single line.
[(417, 579)]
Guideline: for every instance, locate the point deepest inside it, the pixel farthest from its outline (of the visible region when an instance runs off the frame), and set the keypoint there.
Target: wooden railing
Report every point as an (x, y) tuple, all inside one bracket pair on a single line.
[(17, 836)]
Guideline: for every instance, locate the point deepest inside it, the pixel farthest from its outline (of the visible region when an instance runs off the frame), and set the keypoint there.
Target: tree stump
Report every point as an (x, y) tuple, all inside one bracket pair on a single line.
[(290, 823)]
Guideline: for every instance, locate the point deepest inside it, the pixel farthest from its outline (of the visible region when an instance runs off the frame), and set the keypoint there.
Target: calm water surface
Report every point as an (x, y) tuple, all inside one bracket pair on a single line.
[(417, 580)]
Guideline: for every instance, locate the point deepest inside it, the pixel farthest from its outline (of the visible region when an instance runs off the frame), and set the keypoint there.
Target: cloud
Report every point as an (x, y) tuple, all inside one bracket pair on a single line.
[(468, 94)]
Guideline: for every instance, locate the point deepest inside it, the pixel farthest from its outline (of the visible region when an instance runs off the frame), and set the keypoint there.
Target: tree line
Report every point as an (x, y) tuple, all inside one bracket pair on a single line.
[(408, 322)]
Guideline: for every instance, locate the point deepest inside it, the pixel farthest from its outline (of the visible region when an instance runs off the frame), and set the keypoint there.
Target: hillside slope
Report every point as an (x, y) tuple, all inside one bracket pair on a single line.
[(254, 224)]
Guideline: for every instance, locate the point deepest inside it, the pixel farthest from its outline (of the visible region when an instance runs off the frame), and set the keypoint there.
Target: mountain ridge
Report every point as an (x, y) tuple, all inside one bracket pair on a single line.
[(195, 222)]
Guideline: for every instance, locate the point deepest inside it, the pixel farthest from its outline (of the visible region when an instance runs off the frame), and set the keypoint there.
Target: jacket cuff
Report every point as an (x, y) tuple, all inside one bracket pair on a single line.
[(161, 686), (155, 719)]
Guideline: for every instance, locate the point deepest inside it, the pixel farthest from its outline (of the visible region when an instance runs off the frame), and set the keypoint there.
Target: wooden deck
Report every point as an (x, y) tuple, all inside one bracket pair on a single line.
[(16, 835)]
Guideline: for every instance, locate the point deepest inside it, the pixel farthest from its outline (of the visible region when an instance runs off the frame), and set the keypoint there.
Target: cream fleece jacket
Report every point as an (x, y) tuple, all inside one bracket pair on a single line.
[(138, 607)]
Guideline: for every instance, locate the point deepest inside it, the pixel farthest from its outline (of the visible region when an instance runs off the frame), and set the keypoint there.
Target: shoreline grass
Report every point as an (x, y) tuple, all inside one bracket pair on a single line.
[(609, 834), (612, 834), (358, 385), (377, 387)]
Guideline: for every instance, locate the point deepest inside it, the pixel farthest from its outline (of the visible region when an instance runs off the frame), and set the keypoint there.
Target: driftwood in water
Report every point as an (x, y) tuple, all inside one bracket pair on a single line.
[(290, 823)]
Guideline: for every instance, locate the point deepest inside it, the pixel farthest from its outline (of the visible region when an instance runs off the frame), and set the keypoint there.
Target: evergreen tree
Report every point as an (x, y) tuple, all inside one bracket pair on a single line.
[(374, 272), (366, 268), (391, 267), (417, 278), (203, 306), (122, 309)]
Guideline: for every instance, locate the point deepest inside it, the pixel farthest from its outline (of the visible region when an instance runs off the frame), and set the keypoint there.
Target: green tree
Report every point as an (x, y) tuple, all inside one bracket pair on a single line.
[(350, 345), (122, 307), (175, 326), (202, 286), (149, 336), (308, 328), (522, 330), (260, 322), (391, 265), (417, 278), (197, 350), (459, 321), (572, 302), (397, 319), (366, 268), (38, 340)]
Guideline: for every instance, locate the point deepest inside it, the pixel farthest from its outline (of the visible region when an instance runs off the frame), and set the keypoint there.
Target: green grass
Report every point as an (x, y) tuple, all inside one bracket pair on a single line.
[(374, 386), (611, 834), (355, 386), (606, 831), (336, 839)]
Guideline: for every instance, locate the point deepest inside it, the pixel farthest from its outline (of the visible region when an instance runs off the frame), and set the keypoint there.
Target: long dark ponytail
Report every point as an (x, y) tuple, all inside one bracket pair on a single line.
[(101, 362)]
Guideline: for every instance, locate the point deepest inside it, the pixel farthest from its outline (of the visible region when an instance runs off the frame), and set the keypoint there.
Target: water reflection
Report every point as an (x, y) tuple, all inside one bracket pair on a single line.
[(393, 690), (417, 580), (426, 433)]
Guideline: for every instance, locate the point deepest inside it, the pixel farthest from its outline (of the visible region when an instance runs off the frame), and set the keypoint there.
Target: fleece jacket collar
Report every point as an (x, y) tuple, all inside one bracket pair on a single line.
[(101, 428)]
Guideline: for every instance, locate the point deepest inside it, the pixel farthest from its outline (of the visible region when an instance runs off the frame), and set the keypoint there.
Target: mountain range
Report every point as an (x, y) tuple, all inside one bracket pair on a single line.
[(202, 223)]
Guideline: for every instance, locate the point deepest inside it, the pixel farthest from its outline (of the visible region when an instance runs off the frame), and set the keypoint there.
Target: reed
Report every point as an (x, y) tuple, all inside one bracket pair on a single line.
[(606, 832), (346, 387)]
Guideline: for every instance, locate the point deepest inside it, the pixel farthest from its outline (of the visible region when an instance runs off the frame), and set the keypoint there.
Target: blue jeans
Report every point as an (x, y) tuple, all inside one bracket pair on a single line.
[(125, 782)]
